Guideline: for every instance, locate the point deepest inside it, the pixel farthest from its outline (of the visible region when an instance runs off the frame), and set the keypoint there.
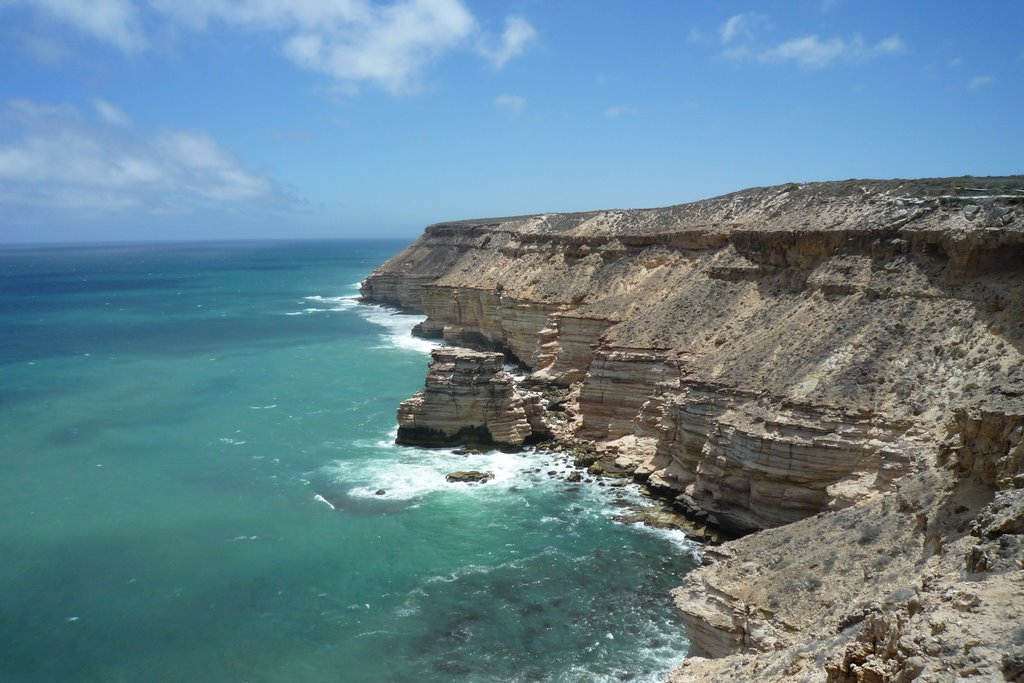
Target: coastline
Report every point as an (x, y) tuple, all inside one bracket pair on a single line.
[(748, 358)]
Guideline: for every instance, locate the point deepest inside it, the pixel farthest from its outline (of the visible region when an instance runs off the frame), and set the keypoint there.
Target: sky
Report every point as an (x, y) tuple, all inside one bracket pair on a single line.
[(249, 119)]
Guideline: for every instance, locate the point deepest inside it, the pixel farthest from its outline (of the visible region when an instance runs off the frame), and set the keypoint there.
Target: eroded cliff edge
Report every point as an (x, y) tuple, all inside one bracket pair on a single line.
[(801, 352)]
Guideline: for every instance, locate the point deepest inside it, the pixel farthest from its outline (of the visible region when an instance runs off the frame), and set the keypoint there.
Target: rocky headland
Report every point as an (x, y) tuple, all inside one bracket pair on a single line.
[(833, 372)]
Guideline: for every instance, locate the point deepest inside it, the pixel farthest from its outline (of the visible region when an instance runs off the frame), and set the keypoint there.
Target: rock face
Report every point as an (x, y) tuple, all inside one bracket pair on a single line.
[(779, 359), (469, 399), (905, 587), (751, 467)]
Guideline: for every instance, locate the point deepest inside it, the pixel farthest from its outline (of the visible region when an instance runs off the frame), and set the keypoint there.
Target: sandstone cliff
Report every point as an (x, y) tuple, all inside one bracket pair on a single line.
[(770, 356)]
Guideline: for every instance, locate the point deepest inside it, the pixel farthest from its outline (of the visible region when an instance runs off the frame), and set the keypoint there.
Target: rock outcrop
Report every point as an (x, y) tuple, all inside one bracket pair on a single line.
[(790, 361), (469, 477), (922, 583), (469, 399)]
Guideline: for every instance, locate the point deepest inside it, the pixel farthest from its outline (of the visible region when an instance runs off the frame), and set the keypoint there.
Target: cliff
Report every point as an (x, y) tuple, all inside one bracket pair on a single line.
[(780, 354)]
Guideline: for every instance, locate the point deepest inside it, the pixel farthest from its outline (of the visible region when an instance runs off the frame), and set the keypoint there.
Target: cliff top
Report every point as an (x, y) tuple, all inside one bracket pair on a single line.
[(835, 205)]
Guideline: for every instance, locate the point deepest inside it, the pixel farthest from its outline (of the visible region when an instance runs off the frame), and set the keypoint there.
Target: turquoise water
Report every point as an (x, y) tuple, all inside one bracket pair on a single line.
[(193, 437)]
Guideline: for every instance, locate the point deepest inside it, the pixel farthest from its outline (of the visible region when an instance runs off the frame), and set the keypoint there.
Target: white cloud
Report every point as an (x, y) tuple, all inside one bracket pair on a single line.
[(893, 45), (740, 26), (729, 29), (108, 113), (814, 52), (199, 165), (956, 61), (358, 41), (739, 34), (110, 21), (27, 112), (513, 104), (519, 33), (980, 82), (388, 44), (806, 51), (615, 111), (62, 160), (389, 47)]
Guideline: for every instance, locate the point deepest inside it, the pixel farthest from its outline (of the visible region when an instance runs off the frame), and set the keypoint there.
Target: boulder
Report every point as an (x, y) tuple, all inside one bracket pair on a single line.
[(469, 476)]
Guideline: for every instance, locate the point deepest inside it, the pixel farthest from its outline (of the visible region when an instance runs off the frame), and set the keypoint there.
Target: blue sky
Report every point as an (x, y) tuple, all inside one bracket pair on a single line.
[(224, 119)]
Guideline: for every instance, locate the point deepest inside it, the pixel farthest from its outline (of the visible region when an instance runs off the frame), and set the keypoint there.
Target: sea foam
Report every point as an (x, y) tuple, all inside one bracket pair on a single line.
[(398, 325), (399, 328), (419, 472)]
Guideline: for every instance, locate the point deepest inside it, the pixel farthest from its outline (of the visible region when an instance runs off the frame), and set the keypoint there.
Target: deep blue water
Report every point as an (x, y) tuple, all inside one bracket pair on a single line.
[(192, 439)]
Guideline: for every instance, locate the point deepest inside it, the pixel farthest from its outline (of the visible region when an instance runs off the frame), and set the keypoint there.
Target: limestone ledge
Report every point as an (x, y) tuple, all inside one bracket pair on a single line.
[(483, 318), (752, 462)]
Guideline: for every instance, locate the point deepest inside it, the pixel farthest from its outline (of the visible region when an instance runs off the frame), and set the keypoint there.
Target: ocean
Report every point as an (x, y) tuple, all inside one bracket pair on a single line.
[(193, 441)]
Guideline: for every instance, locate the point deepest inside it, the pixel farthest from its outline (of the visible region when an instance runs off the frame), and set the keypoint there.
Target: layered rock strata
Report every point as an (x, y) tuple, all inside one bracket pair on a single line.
[(770, 356), (750, 466), (469, 399)]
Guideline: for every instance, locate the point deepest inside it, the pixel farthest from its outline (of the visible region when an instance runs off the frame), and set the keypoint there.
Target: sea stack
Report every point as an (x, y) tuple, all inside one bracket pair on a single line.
[(469, 399)]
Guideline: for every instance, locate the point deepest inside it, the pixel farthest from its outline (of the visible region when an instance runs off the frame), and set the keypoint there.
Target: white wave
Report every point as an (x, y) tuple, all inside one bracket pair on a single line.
[(233, 442), (461, 572), (518, 373), (321, 499), (420, 472), (399, 328), (406, 611), (390, 441), (329, 304), (386, 443), (675, 537), (478, 569), (307, 311), (343, 300), (398, 325), (273, 405)]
